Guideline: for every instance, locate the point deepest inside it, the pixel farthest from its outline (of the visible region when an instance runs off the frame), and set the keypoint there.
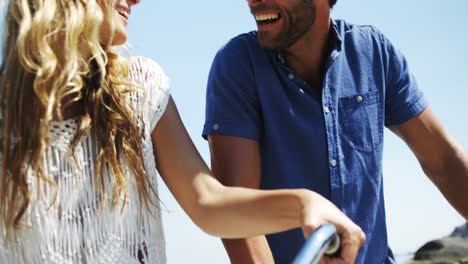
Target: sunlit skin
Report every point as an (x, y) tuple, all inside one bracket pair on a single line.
[(217, 209), (113, 32), (298, 29), (281, 23), (114, 26)]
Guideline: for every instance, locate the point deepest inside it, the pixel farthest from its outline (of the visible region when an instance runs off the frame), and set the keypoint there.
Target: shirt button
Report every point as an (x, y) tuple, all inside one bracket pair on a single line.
[(215, 126), (302, 91), (359, 99), (326, 109), (334, 163), (291, 76)]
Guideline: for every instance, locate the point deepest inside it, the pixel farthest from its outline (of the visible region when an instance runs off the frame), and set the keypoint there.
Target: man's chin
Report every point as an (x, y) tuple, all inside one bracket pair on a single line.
[(267, 43)]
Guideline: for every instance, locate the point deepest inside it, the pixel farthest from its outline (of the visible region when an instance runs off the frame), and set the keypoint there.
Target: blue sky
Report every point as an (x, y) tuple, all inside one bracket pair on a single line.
[(184, 36)]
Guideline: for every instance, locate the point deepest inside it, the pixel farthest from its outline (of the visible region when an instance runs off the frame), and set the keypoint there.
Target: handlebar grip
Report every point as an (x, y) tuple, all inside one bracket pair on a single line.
[(334, 245), (324, 240)]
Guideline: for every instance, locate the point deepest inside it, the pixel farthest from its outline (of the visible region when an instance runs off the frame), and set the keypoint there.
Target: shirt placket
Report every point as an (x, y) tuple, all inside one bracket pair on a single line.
[(299, 84), (329, 104)]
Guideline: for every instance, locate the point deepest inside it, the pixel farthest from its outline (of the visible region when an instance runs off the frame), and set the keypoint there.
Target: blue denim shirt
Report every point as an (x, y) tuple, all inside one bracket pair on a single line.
[(328, 139)]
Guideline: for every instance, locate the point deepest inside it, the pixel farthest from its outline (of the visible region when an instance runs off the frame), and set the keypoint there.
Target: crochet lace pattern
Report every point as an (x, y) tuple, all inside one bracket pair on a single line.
[(75, 228)]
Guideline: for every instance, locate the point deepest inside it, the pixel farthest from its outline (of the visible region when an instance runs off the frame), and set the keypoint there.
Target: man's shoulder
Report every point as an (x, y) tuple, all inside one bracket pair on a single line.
[(242, 44), (346, 29), (247, 38)]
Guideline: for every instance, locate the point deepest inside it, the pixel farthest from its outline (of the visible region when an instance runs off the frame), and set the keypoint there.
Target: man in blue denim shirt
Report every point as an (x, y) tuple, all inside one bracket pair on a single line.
[(302, 103)]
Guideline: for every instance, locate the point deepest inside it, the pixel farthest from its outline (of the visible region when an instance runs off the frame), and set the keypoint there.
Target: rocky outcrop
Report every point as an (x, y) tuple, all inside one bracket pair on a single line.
[(461, 231), (447, 250)]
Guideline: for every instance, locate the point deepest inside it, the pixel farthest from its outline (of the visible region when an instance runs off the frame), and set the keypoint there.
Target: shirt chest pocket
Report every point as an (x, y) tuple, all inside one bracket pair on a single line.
[(361, 120)]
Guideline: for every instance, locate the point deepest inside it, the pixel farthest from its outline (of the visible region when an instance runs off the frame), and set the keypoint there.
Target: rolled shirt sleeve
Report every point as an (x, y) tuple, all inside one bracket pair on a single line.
[(231, 100), (404, 100)]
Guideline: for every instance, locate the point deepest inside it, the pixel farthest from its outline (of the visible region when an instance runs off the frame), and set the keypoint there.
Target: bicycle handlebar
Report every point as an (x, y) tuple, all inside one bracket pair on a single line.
[(324, 240)]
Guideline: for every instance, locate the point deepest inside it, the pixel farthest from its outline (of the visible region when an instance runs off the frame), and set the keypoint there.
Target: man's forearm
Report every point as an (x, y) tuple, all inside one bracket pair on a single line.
[(452, 179), (252, 250)]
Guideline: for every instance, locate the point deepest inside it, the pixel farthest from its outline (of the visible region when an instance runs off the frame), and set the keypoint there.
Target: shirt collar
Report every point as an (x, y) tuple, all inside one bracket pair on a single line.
[(334, 39), (336, 36)]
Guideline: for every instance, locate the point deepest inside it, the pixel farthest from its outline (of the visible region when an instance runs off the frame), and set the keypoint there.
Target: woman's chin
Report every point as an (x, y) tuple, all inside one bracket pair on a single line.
[(118, 39)]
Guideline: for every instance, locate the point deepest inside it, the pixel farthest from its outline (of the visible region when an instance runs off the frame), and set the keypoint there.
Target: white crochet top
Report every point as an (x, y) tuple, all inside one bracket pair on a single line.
[(75, 229)]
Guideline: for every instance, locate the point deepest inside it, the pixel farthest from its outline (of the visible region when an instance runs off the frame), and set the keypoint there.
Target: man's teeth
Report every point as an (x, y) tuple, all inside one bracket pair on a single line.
[(266, 17)]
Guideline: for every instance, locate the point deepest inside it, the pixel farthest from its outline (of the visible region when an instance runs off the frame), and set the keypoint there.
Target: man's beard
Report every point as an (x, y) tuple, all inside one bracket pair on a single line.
[(299, 20)]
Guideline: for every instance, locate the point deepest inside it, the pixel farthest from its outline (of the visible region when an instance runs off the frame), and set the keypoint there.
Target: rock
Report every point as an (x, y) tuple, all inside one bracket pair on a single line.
[(445, 249), (461, 231), (451, 249)]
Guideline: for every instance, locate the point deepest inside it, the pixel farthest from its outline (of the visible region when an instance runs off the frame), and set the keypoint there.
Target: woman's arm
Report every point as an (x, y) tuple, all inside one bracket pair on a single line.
[(233, 212), (236, 161)]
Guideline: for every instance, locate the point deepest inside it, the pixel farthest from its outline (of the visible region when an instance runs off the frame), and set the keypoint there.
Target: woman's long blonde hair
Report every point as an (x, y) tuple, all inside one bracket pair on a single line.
[(43, 73)]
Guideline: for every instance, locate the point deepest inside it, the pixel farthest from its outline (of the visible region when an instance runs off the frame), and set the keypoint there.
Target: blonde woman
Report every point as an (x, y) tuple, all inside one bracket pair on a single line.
[(84, 134)]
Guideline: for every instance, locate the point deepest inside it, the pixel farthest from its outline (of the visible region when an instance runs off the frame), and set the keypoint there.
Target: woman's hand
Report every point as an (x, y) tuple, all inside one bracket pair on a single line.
[(233, 212), (318, 211)]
